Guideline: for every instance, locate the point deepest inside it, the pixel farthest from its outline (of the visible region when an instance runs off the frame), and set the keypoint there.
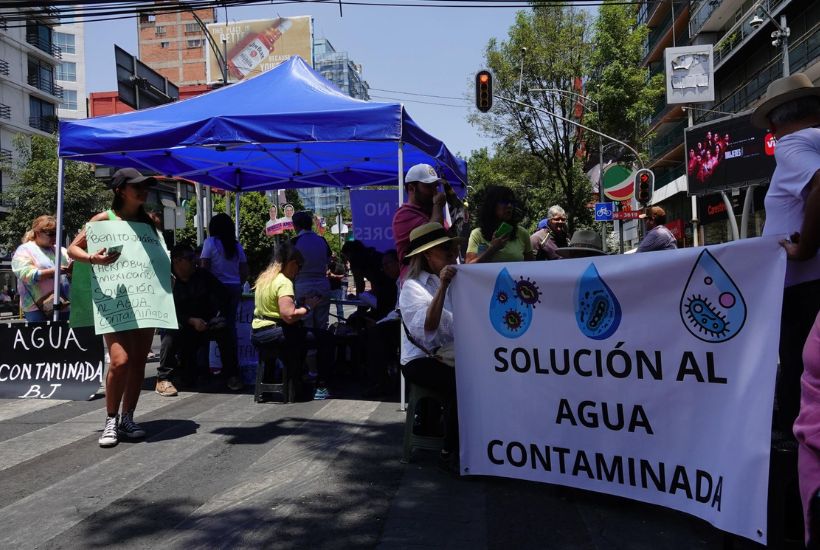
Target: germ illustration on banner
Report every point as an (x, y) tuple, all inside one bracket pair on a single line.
[(711, 306), (527, 291), (598, 312), (511, 305)]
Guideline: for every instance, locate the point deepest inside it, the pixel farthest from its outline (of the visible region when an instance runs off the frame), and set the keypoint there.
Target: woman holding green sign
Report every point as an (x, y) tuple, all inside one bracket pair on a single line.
[(128, 349)]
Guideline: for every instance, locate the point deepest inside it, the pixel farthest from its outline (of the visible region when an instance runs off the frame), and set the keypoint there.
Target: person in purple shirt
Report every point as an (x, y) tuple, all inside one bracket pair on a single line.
[(657, 236)]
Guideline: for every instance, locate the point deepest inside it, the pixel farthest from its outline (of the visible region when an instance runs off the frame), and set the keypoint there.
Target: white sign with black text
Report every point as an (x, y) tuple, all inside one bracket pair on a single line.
[(648, 376)]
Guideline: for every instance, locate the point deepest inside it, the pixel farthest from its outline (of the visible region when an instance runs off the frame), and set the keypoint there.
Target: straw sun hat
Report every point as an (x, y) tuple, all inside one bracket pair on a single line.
[(425, 237), (782, 91)]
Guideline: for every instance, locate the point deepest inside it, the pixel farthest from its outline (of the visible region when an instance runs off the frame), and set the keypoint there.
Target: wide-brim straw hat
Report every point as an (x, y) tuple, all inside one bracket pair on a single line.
[(782, 91), (425, 237), (583, 243)]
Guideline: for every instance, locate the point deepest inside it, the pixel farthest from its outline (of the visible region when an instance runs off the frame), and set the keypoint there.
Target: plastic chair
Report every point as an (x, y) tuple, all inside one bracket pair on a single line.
[(411, 440), (267, 360)]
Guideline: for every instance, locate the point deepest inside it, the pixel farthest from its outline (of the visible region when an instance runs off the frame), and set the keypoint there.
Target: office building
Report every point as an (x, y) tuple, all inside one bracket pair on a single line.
[(745, 63), (173, 42), (29, 94), (69, 36)]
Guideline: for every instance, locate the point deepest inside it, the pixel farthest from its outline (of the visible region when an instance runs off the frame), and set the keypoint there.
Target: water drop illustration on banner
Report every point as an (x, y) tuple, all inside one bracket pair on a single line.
[(711, 306), (597, 310), (511, 305)]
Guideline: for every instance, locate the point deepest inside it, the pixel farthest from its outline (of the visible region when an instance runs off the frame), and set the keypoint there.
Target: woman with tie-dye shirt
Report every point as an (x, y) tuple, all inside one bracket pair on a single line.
[(33, 264)]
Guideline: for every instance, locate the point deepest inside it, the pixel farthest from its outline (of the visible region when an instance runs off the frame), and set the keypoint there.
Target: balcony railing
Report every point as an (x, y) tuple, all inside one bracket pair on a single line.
[(701, 13), (660, 145), (801, 52), (4, 67), (5, 157), (655, 35), (44, 45), (45, 123), (5, 111), (45, 85), (737, 35)]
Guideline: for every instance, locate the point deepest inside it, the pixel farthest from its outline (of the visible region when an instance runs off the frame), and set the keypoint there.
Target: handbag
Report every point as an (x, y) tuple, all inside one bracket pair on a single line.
[(444, 354)]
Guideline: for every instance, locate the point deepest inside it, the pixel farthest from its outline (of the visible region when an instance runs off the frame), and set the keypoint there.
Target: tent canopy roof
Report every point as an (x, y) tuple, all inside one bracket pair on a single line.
[(286, 128)]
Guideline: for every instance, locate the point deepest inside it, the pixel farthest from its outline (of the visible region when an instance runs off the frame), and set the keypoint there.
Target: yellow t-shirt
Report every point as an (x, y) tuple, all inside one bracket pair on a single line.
[(514, 251), (266, 301)]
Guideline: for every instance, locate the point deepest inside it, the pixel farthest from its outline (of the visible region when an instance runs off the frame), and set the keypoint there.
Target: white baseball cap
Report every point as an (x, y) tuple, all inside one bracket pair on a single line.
[(423, 173)]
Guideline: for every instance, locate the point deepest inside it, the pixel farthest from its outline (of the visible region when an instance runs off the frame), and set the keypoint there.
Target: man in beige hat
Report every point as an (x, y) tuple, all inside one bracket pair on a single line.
[(657, 237), (791, 111)]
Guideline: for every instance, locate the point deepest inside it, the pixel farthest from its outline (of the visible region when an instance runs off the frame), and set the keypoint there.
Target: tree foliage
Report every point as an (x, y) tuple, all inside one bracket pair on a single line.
[(565, 54), (33, 190), (556, 42), (626, 94)]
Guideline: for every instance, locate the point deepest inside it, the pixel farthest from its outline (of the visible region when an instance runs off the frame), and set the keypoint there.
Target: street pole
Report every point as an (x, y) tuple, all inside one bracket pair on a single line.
[(784, 40), (695, 222)]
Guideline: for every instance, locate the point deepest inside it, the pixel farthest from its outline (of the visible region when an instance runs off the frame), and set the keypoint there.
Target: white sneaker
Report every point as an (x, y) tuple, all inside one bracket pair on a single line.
[(130, 429), (109, 433)]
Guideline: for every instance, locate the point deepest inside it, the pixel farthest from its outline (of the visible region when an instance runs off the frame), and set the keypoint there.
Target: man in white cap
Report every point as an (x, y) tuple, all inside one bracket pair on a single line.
[(424, 204), (791, 111)]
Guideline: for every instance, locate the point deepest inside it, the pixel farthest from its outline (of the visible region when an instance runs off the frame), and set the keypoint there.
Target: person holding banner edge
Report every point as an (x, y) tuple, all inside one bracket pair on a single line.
[(128, 349), (427, 318)]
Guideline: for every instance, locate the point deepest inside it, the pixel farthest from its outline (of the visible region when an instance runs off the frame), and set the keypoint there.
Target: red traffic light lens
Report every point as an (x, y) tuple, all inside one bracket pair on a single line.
[(483, 78)]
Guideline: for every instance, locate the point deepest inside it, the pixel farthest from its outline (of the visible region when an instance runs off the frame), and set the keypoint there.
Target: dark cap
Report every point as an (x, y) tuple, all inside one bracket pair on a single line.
[(129, 175)]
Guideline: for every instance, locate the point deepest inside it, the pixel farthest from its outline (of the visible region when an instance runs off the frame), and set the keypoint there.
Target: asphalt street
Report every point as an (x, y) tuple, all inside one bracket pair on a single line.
[(220, 471)]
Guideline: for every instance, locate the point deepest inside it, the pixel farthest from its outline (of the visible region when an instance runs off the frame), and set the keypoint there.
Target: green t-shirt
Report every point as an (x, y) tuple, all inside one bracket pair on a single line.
[(517, 249), (266, 301)]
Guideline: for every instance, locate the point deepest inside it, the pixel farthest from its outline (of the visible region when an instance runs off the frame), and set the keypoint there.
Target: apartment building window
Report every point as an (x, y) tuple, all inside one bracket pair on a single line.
[(164, 45), (65, 41), (148, 18), (195, 43), (41, 75), (159, 31), (42, 115), (69, 100), (191, 27), (40, 36), (67, 71)]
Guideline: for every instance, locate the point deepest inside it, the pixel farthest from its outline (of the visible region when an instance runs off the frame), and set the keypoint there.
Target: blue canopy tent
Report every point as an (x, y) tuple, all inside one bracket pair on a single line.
[(286, 128)]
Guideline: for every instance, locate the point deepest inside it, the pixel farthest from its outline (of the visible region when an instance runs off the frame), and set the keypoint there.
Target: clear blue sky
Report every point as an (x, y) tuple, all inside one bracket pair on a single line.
[(420, 50)]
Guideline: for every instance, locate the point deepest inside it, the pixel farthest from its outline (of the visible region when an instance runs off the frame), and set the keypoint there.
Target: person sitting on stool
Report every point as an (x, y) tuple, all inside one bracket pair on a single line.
[(276, 316), (199, 299)]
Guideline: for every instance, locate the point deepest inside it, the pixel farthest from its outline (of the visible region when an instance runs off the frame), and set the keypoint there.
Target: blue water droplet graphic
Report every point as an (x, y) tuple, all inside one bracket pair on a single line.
[(597, 310), (711, 306), (509, 316)]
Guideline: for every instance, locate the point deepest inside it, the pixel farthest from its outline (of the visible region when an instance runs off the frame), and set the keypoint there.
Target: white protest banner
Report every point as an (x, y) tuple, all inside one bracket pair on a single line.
[(135, 291), (648, 376)]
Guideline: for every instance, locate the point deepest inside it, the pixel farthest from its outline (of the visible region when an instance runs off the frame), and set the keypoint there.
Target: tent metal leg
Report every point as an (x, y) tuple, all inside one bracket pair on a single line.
[(731, 213), (402, 403), (58, 256), (747, 211)]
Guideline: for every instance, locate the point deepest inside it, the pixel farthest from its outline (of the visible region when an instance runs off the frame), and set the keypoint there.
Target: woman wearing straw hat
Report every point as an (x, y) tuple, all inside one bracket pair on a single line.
[(427, 316)]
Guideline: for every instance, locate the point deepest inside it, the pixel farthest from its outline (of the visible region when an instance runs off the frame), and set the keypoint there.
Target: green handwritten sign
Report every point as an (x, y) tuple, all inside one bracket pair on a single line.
[(135, 291)]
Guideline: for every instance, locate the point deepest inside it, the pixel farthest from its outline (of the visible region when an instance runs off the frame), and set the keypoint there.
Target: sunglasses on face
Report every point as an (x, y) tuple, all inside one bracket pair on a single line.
[(48, 233)]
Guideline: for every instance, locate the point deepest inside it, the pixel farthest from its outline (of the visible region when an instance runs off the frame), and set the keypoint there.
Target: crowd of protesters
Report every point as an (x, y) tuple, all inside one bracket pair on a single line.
[(408, 286)]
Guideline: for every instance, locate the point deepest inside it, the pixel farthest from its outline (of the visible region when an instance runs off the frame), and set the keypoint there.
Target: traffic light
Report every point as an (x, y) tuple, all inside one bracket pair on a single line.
[(644, 184), (483, 91)]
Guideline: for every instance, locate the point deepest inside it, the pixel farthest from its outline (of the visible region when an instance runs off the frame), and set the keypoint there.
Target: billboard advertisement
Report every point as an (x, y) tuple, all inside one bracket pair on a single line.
[(728, 153), (258, 45)]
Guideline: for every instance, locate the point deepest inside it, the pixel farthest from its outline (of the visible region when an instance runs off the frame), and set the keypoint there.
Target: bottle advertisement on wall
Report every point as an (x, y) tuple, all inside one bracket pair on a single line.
[(256, 46)]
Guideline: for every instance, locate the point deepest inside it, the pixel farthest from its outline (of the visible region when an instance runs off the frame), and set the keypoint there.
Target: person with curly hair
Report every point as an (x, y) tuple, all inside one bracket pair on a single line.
[(498, 238)]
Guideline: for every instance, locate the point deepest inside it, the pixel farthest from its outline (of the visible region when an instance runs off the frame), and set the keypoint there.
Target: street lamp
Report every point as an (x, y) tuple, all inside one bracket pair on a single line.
[(780, 37)]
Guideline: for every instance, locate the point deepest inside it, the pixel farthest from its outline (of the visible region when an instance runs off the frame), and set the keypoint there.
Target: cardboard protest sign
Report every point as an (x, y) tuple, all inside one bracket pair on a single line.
[(647, 376), (50, 361), (135, 291)]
